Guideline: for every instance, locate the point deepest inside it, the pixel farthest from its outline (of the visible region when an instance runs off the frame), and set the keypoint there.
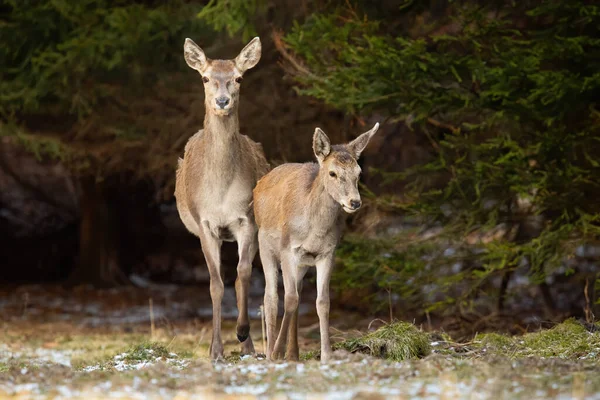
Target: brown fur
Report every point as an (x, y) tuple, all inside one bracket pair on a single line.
[(298, 212), (214, 183)]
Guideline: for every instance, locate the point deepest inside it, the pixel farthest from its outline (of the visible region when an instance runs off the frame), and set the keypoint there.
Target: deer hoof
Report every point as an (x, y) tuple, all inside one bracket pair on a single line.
[(243, 332)]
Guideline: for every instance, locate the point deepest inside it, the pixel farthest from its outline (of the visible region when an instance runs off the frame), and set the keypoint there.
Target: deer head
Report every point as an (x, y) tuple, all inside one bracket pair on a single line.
[(339, 168), (222, 78)]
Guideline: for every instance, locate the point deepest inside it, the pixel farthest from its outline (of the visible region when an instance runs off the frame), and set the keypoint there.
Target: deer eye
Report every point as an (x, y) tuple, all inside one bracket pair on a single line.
[(239, 79), (204, 79), (332, 174)]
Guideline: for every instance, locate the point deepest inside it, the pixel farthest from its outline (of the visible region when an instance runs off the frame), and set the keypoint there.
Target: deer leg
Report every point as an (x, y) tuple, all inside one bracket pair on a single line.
[(292, 352), (247, 250), (211, 247), (270, 267), (324, 268), (290, 305)]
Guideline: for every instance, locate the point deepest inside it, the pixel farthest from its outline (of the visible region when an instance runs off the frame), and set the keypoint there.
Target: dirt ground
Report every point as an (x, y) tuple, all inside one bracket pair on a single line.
[(85, 343)]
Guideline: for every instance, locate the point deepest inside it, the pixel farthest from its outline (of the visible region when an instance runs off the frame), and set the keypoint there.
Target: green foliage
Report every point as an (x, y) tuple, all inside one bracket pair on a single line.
[(43, 148), (506, 95), (378, 263), (92, 77), (65, 56), (397, 341), (233, 16)]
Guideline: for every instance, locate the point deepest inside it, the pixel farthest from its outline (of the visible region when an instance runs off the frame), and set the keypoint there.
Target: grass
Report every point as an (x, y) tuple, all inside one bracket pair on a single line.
[(569, 340), (147, 351), (541, 364), (397, 341), (494, 342), (310, 355), (98, 349)]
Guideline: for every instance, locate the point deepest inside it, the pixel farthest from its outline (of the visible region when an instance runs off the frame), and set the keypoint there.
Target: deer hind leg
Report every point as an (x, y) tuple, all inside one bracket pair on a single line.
[(290, 304), (292, 351), (211, 247), (270, 267), (324, 268), (247, 246)]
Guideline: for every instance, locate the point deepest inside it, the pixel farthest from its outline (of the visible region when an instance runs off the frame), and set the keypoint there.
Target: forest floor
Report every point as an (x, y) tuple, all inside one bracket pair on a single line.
[(85, 343)]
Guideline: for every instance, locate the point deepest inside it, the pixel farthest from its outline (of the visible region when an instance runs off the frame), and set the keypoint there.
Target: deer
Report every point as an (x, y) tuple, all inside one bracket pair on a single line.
[(298, 210), (214, 182)]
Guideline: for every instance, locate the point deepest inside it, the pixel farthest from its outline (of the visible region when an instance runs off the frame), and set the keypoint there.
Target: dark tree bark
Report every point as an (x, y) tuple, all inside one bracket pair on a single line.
[(98, 262)]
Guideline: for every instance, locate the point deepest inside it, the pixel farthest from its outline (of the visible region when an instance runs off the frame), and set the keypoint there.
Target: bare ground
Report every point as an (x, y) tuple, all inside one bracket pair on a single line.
[(83, 343)]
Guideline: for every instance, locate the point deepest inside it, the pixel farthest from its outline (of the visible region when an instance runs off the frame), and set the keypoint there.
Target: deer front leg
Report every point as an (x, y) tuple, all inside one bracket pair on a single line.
[(247, 243), (270, 267), (293, 352), (290, 303), (211, 247), (324, 268)]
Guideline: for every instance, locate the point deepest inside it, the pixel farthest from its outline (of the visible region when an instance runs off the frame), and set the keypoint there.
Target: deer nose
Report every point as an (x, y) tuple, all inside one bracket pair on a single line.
[(355, 204), (222, 101)]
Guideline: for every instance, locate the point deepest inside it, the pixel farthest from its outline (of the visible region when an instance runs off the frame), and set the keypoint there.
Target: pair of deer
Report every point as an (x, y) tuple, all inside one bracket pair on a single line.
[(225, 192)]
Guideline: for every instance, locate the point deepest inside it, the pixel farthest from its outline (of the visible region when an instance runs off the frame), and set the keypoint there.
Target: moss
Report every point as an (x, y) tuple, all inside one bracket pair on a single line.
[(567, 340), (4, 367), (310, 355), (494, 342), (146, 351), (234, 358), (397, 341)]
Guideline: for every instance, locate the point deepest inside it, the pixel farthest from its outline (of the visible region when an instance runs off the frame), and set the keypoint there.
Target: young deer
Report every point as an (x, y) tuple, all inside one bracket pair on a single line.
[(298, 212), (215, 179)]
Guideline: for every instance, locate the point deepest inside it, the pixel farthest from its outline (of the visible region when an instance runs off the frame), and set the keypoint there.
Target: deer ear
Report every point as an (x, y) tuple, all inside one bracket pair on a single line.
[(321, 145), (249, 56), (358, 145), (194, 56)]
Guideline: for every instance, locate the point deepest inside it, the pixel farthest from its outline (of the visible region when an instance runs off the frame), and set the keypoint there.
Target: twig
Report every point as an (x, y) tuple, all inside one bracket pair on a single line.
[(352, 10), (282, 49), (431, 140), (389, 290), (376, 319), (262, 319), (439, 124), (171, 342), (428, 321), (589, 315), (151, 319)]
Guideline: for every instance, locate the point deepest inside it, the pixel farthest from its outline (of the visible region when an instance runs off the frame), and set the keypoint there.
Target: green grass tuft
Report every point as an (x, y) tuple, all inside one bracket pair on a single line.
[(567, 340), (397, 341), (494, 342), (146, 351), (310, 355)]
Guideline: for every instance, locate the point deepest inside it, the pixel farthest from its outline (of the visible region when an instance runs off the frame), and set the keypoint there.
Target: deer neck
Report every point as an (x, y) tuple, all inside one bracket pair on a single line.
[(222, 130)]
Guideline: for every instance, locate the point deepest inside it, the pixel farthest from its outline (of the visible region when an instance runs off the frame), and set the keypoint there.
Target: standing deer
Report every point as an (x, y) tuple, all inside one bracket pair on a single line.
[(215, 179), (298, 212)]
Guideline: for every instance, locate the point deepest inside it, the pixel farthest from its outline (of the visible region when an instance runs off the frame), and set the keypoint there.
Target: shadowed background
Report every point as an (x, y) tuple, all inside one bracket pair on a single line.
[(480, 191)]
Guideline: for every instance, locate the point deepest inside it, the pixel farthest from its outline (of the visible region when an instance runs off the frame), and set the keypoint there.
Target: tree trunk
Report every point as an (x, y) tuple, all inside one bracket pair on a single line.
[(98, 262)]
